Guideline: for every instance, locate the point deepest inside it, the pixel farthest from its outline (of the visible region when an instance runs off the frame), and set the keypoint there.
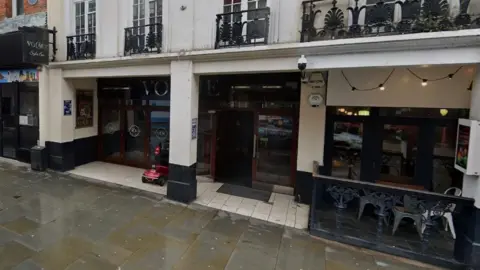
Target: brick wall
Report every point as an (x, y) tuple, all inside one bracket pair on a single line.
[(6, 8), (40, 6)]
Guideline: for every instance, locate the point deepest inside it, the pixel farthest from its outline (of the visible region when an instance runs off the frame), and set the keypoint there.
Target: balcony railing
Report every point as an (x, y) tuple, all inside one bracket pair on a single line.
[(339, 211), (143, 39), (80, 47), (323, 20), (242, 28)]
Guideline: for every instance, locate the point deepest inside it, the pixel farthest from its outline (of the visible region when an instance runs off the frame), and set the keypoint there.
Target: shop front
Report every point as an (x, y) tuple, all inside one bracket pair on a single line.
[(133, 119), (248, 129), (22, 53), (387, 177)]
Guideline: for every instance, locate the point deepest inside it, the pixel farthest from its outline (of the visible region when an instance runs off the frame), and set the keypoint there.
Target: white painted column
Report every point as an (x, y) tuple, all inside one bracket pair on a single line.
[(471, 184), (61, 128), (311, 136), (182, 184), (467, 245), (43, 111)]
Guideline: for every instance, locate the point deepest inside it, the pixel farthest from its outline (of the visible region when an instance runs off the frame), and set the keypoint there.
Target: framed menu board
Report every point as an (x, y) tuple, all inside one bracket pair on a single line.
[(84, 112), (467, 152)]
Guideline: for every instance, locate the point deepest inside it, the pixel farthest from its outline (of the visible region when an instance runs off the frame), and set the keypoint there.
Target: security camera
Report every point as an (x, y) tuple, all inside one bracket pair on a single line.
[(302, 63)]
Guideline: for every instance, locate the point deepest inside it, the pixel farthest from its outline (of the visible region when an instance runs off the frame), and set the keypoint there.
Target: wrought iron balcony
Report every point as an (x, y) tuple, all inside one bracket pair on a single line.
[(143, 39), (81, 47), (323, 20), (242, 28), (368, 215)]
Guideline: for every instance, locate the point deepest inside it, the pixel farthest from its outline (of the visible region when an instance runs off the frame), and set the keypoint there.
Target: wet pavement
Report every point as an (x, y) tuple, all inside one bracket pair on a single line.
[(53, 221)]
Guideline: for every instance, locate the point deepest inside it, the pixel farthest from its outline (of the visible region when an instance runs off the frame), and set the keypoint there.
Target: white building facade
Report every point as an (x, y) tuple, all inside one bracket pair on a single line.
[(216, 83)]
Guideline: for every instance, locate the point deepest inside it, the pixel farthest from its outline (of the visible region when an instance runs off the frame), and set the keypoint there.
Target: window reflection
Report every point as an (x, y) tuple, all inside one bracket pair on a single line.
[(399, 151), (160, 132), (444, 174), (274, 149), (347, 143)]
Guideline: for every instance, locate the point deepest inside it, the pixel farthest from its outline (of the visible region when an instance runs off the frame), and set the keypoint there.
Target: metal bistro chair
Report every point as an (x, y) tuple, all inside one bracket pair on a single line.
[(412, 208), (379, 200), (446, 215)]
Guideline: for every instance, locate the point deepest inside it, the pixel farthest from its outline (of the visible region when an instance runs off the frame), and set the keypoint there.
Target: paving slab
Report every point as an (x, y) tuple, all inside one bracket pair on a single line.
[(50, 220)]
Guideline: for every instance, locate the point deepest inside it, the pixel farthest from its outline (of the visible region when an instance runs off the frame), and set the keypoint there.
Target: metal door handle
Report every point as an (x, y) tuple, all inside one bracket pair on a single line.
[(254, 145)]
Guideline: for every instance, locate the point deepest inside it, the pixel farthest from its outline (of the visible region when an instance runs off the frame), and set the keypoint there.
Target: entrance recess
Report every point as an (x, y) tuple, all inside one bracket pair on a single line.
[(235, 147), (255, 148), (8, 119), (133, 121)]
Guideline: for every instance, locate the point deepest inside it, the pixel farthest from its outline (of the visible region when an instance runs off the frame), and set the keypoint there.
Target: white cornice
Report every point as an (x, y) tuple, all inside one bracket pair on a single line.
[(395, 43)]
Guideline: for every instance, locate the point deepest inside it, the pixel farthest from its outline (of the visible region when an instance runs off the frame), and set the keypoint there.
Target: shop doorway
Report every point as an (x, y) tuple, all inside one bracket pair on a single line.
[(8, 119), (255, 149), (18, 119), (248, 129), (235, 147), (134, 118)]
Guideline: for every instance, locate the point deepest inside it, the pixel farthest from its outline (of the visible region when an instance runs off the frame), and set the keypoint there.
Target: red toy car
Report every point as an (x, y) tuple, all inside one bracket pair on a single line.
[(158, 174)]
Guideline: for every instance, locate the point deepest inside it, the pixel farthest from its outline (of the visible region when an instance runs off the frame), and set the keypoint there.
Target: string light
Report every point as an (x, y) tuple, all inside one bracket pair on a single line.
[(424, 81), (381, 86), (470, 87)]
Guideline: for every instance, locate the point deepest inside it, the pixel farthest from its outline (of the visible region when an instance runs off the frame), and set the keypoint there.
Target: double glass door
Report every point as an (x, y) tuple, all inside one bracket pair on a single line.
[(255, 148), (9, 120), (130, 135)]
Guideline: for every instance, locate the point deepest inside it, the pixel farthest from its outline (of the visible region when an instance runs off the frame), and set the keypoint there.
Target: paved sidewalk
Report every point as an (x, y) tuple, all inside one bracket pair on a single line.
[(53, 221), (281, 209)]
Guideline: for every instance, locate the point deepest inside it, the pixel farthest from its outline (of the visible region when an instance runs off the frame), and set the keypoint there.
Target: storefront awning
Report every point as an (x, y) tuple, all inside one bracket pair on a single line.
[(25, 47)]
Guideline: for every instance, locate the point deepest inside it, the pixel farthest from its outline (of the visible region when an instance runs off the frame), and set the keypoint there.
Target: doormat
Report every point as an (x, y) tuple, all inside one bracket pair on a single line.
[(245, 192)]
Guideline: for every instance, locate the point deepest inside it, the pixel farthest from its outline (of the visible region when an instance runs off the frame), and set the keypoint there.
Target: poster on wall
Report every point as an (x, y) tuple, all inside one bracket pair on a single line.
[(19, 75), (194, 128), (462, 146), (84, 112), (466, 150)]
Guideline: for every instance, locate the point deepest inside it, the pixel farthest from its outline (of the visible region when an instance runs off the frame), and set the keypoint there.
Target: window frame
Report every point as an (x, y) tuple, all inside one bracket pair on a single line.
[(158, 15), (86, 14), (15, 4), (244, 7)]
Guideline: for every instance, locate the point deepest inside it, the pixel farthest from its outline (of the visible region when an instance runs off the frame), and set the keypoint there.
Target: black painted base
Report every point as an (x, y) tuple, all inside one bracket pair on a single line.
[(381, 247), (467, 244), (61, 156), (303, 187), (86, 150), (182, 183), (65, 156)]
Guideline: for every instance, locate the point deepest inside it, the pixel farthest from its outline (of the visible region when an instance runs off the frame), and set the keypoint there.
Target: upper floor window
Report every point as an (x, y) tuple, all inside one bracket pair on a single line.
[(85, 17), (255, 21), (17, 7), (151, 7)]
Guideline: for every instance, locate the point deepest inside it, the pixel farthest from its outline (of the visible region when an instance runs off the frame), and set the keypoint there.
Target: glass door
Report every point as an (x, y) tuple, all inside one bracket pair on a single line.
[(399, 154), (9, 120), (275, 149), (136, 137), (111, 135), (347, 148)]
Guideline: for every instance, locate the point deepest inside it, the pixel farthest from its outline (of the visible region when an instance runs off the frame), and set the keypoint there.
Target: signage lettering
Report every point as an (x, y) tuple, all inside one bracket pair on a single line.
[(36, 45), (36, 48), (155, 86)]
